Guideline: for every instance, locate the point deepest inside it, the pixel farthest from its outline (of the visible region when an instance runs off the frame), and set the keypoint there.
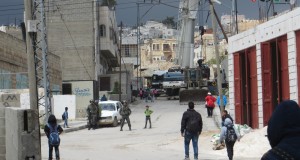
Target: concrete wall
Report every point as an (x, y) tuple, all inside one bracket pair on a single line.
[(13, 59), (2, 134), (84, 91), (62, 101), (285, 24), (22, 134)]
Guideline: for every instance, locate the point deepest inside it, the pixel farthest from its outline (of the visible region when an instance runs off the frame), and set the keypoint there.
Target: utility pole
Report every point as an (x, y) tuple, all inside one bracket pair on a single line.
[(234, 20), (137, 42), (213, 19), (30, 45), (120, 69), (37, 50)]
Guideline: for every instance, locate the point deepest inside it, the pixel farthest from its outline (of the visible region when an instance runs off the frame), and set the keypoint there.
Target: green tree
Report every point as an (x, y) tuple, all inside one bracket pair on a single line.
[(169, 22), (116, 89)]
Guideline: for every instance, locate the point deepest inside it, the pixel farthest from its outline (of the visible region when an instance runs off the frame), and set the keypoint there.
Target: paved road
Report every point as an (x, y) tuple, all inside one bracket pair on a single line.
[(162, 142)]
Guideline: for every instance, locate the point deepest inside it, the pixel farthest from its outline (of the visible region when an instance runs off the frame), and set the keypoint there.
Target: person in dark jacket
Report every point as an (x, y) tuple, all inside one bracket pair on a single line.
[(189, 133), (224, 116), (52, 123), (103, 98), (284, 132)]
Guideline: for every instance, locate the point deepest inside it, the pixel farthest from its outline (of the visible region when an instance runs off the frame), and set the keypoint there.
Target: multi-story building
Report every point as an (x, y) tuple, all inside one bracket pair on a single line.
[(84, 34)]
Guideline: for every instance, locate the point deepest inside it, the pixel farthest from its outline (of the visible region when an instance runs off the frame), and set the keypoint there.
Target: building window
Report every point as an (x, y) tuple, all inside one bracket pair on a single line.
[(155, 47), (166, 47), (111, 33), (102, 30), (127, 50)]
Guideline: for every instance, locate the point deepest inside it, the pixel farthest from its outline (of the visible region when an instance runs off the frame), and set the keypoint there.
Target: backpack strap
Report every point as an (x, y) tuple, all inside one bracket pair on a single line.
[(52, 129)]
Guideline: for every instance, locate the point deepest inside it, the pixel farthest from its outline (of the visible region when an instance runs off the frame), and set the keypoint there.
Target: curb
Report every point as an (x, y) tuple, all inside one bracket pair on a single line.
[(69, 129)]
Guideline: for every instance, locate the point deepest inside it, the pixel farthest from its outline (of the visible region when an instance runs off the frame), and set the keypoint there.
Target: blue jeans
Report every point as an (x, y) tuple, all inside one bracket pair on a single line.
[(187, 139), (51, 150), (66, 123)]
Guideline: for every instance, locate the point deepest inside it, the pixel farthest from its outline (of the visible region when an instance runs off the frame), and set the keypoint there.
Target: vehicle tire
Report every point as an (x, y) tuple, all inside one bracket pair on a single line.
[(115, 123)]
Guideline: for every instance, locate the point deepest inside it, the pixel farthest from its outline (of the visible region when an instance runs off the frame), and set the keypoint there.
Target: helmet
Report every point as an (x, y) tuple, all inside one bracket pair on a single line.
[(91, 101), (124, 102)]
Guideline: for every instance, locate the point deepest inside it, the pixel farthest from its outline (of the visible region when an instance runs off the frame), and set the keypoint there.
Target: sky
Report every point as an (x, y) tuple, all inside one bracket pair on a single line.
[(11, 11)]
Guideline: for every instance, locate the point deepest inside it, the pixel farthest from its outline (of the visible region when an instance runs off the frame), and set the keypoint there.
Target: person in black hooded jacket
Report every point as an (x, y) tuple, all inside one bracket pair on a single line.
[(284, 132), (191, 132)]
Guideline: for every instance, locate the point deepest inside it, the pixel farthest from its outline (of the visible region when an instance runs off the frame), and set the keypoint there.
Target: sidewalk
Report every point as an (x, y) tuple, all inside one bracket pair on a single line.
[(74, 125)]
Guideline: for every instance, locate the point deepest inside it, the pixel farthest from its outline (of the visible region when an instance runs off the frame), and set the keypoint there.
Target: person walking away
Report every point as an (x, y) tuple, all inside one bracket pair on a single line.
[(230, 135), (147, 95), (52, 131), (103, 98), (93, 113), (148, 113), (152, 95), (66, 117), (155, 93), (141, 93), (224, 102), (210, 104), (125, 113), (283, 132), (191, 128), (224, 116)]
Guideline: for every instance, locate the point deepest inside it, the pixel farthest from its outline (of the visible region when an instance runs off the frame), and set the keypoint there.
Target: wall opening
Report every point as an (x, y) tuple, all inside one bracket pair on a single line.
[(275, 75)]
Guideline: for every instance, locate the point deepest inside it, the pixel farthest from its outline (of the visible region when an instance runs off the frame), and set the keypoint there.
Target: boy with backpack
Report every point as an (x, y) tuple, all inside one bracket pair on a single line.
[(230, 135), (53, 130), (65, 117)]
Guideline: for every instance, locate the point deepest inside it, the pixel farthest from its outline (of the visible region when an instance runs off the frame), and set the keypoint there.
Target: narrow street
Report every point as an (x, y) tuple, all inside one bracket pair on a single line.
[(162, 142)]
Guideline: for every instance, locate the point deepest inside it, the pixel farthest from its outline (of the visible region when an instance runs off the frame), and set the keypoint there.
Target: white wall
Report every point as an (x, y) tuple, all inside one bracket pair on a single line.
[(62, 101), (285, 24)]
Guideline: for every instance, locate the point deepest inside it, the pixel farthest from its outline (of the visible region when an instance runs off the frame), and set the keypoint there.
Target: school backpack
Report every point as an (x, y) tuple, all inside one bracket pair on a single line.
[(63, 116), (54, 139), (193, 125), (230, 134)]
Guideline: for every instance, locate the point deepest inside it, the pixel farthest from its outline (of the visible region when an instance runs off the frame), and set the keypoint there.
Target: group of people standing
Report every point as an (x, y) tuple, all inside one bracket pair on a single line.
[(148, 94), (125, 112)]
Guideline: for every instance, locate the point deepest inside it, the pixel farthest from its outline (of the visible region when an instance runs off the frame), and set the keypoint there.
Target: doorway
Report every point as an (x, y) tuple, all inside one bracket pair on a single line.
[(275, 75)]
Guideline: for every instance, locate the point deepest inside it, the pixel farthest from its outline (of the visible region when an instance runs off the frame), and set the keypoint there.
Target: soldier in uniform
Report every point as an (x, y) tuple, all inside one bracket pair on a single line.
[(125, 113), (93, 112)]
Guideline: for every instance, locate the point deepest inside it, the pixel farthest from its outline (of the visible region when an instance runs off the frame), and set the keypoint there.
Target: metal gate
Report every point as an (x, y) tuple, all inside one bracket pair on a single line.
[(245, 86), (275, 75)]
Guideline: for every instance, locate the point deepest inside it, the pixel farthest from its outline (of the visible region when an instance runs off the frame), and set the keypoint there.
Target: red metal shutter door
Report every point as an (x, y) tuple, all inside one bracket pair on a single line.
[(237, 87), (284, 69), (298, 61), (253, 87), (266, 82)]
